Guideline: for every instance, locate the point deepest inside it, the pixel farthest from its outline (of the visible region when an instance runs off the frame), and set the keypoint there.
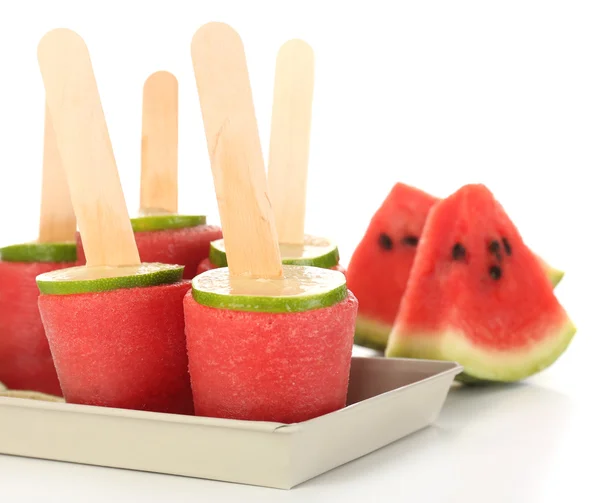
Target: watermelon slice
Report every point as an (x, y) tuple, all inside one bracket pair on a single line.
[(477, 295), (380, 265)]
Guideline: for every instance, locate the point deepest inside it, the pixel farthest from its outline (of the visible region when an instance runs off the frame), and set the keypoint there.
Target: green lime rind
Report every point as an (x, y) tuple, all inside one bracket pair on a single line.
[(328, 259), (270, 304), (217, 257), (149, 223), (204, 292), (40, 252), (77, 280)]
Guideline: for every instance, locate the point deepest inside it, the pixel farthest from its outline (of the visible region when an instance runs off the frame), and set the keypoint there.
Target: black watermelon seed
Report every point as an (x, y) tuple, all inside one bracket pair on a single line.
[(458, 252), (507, 247), (494, 248), (386, 242), (410, 240), (495, 272)]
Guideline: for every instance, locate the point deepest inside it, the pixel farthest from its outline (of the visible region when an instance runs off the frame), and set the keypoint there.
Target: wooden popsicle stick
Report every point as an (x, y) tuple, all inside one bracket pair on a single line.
[(235, 154), (290, 138), (57, 219), (158, 189), (85, 150)]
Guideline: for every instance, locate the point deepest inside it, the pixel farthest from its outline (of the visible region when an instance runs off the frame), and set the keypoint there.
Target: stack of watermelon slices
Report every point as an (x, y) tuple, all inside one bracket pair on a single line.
[(452, 279)]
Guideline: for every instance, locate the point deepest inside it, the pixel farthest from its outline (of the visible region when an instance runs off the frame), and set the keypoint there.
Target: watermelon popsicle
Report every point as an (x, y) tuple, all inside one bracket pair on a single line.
[(161, 233), (25, 359), (288, 164), (115, 326), (266, 341)]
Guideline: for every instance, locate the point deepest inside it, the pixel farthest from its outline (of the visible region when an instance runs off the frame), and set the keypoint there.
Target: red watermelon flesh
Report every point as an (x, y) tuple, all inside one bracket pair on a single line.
[(25, 359), (187, 246), (205, 265), (282, 367), (380, 265), (122, 348), (478, 295)]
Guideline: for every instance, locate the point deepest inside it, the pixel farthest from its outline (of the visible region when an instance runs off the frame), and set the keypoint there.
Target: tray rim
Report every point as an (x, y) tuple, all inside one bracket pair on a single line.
[(204, 421), (290, 452)]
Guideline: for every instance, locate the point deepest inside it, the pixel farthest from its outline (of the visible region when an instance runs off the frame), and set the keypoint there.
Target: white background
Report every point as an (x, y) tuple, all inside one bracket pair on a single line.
[(434, 94)]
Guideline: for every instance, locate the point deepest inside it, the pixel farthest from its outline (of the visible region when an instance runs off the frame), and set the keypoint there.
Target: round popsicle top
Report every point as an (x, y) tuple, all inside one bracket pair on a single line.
[(86, 279), (157, 220), (40, 252), (315, 252), (301, 288)]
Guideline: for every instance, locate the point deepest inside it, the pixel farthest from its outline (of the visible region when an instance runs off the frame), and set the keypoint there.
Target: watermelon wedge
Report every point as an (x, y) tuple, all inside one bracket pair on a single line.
[(380, 265), (477, 295)]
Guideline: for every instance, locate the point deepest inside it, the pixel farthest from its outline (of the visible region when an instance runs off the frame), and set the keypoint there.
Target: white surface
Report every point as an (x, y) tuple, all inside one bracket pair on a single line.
[(435, 94), (523, 443)]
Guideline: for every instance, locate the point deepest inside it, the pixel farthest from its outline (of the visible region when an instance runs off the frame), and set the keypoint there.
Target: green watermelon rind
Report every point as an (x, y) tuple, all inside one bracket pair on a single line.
[(481, 366), (370, 333), (373, 334), (554, 275)]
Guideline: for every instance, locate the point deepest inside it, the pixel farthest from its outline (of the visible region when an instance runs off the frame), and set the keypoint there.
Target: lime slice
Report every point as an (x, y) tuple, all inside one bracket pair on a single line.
[(316, 252), (301, 288), (39, 252), (157, 221), (84, 279)]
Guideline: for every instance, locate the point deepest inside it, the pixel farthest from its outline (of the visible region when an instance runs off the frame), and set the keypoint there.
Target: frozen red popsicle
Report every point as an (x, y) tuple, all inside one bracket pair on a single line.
[(25, 359), (288, 164), (161, 233), (115, 325), (278, 350), (266, 341), (123, 347)]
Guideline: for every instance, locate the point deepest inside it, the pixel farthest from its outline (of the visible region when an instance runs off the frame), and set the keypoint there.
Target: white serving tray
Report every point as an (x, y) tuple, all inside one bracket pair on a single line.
[(387, 399)]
